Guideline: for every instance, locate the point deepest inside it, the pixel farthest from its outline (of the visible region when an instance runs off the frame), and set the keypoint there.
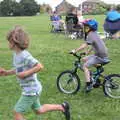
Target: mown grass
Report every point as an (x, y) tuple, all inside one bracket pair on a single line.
[(52, 50)]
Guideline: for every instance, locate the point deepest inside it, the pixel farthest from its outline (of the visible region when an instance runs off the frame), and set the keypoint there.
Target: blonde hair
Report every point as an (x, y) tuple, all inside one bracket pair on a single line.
[(19, 37)]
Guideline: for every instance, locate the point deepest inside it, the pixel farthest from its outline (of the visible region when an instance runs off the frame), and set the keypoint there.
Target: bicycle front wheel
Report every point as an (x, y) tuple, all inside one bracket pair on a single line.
[(68, 82), (111, 86)]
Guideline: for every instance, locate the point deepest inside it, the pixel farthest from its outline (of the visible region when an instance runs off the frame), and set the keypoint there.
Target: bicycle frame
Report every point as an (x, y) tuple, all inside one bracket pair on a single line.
[(77, 63), (98, 73), (95, 75)]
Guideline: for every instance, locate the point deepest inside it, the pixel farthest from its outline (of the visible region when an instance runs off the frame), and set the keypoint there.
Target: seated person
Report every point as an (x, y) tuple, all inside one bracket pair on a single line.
[(113, 15), (112, 22), (71, 17), (55, 17), (71, 20), (57, 22)]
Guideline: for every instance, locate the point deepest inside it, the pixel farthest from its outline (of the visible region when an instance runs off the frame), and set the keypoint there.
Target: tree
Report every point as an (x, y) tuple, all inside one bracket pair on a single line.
[(41, 9), (29, 7), (16, 9), (45, 8), (6, 7), (118, 7), (48, 8), (13, 8)]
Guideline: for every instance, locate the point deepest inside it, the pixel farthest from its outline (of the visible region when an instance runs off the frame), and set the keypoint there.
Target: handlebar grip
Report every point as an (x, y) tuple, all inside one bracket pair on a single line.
[(83, 53), (71, 52)]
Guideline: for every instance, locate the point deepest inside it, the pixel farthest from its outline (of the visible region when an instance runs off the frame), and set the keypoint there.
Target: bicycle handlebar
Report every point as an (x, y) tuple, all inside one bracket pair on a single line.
[(78, 56)]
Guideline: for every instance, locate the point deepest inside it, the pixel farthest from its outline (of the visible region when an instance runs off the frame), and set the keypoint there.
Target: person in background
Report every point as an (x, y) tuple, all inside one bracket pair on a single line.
[(57, 21), (113, 15), (80, 17), (71, 17), (112, 24), (55, 16)]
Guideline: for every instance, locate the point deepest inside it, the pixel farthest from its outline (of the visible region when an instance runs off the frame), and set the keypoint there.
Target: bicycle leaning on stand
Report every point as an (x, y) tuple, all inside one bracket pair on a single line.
[(69, 82)]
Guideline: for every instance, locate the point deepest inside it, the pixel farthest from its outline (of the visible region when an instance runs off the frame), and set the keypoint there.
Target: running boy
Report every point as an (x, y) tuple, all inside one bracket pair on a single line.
[(98, 46), (26, 67)]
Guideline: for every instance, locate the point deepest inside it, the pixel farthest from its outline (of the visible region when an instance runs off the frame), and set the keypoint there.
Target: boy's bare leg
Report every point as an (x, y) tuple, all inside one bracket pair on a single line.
[(89, 85), (49, 107), (18, 116), (86, 70), (87, 74), (64, 107)]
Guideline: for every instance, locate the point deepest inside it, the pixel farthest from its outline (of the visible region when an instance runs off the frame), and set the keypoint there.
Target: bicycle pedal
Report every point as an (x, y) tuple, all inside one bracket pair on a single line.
[(96, 85)]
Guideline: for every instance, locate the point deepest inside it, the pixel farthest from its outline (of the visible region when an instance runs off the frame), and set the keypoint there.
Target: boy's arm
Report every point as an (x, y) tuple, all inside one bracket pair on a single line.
[(4, 72), (83, 46), (10, 72), (31, 71)]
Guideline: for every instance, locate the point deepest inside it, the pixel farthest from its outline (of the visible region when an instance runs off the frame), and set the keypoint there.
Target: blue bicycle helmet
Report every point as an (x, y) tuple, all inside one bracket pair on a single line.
[(93, 24)]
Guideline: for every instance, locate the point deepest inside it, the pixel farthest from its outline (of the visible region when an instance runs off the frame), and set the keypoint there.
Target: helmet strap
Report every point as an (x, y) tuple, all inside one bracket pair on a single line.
[(86, 33)]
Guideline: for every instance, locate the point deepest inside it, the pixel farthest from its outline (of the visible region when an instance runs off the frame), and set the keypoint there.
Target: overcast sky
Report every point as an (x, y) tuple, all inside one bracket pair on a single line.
[(54, 3)]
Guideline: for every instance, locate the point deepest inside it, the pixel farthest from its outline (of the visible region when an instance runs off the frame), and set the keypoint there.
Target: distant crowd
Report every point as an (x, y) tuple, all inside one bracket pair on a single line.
[(74, 19)]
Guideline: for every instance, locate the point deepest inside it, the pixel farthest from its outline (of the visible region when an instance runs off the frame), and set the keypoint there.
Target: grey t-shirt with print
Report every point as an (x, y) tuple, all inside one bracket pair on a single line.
[(30, 84), (98, 45)]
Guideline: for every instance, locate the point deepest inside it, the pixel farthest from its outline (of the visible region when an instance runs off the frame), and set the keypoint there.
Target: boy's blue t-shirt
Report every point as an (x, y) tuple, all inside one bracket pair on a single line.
[(113, 15), (22, 62)]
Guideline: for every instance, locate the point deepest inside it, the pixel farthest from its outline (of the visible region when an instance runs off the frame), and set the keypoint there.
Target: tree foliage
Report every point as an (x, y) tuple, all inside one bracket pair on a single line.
[(45, 8), (6, 7), (29, 7), (22, 8), (118, 7)]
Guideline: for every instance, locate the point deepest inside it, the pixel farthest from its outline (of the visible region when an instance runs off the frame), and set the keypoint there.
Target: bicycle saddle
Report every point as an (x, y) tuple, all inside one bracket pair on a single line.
[(101, 64)]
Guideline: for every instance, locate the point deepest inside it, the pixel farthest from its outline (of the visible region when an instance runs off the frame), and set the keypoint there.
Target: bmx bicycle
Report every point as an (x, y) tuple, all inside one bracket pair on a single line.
[(69, 82)]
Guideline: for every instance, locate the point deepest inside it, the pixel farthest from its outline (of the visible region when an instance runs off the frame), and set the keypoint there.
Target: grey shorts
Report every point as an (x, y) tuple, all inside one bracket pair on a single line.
[(93, 60)]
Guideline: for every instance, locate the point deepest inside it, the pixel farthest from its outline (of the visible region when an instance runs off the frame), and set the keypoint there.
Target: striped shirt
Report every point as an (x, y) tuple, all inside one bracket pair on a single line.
[(30, 84)]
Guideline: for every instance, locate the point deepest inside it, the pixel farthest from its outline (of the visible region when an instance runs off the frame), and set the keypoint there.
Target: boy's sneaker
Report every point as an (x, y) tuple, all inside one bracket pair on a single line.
[(66, 107), (97, 84), (88, 88)]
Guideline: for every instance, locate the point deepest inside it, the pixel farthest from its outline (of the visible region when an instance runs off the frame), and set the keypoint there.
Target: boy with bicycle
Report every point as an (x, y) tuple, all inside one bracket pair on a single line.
[(25, 69), (98, 46)]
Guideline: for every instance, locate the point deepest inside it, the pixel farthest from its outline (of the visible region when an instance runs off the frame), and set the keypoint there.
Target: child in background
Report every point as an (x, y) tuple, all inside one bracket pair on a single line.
[(25, 69)]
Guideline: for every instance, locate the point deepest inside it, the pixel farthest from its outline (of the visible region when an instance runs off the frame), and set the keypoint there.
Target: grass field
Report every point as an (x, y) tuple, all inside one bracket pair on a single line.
[(52, 50)]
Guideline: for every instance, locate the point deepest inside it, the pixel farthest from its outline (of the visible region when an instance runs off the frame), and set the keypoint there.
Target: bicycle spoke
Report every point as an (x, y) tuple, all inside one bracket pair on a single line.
[(112, 86), (68, 83)]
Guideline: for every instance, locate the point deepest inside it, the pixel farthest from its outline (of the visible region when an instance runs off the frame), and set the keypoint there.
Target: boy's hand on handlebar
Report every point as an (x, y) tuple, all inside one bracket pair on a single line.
[(72, 51), (83, 53)]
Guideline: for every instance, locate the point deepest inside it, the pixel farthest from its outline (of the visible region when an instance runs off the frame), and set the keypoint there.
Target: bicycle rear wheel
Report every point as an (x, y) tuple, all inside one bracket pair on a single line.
[(111, 86), (68, 82)]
